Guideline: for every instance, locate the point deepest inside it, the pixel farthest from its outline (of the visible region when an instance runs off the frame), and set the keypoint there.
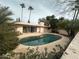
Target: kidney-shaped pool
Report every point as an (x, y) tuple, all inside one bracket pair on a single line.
[(39, 40)]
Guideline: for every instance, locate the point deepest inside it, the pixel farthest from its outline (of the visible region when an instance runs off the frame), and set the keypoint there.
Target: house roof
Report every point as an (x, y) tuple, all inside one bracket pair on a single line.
[(29, 24)]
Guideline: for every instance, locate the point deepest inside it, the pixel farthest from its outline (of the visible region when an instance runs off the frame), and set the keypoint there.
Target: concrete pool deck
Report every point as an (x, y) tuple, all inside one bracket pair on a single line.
[(72, 52), (63, 42), (28, 35)]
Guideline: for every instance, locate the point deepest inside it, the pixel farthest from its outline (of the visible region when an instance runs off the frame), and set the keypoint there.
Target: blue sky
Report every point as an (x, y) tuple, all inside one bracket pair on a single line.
[(42, 8)]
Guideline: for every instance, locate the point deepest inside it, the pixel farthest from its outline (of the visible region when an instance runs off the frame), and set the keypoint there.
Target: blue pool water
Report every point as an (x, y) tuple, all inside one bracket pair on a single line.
[(39, 40)]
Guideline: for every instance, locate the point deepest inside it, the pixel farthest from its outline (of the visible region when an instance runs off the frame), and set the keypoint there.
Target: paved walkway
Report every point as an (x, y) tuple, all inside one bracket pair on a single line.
[(72, 52)]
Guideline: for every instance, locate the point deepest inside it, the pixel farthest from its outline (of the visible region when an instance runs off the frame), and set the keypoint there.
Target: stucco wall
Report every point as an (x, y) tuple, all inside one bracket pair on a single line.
[(42, 30), (19, 28), (38, 29)]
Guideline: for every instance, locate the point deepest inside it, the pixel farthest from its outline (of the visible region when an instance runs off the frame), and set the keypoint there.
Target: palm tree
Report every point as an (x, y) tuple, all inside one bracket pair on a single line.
[(72, 5), (75, 7), (30, 8), (8, 38), (22, 6), (4, 14)]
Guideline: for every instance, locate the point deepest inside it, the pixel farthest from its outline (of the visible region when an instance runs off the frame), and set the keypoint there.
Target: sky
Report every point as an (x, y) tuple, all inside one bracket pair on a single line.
[(42, 8)]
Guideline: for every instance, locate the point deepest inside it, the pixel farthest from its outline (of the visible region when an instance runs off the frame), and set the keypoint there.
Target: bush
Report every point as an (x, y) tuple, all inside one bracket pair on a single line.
[(8, 38), (8, 41)]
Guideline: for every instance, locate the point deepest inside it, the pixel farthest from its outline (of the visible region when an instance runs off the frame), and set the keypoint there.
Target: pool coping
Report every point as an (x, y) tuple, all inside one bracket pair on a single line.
[(63, 41)]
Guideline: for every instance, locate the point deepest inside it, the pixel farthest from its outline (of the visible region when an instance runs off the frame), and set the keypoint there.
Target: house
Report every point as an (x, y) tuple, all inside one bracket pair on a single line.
[(22, 27)]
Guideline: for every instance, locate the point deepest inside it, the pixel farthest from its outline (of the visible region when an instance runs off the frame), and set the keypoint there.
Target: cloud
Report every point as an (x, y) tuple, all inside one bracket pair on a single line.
[(42, 8)]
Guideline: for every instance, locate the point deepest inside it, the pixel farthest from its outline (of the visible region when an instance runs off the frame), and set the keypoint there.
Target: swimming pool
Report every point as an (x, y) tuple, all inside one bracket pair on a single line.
[(39, 40)]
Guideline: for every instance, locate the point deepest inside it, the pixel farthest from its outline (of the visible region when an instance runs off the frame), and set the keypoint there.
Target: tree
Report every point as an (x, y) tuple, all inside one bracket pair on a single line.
[(8, 39), (73, 29), (46, 22), (73, 7), (52, 22), (63, 24), (61, 19), (4, 14), (22, 6), (72, 26), (30, 8)]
